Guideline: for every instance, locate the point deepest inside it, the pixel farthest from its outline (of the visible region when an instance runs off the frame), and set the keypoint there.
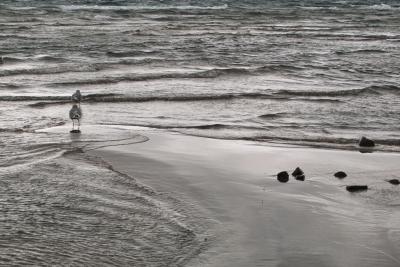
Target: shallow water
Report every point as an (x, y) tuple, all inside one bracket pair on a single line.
[(62, 207), (312, 73), (70, 212)]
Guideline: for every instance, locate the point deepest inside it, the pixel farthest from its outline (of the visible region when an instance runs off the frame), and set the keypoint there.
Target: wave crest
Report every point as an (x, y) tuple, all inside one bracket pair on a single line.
[(374, 89), (360, 51), (211, 73), (272, 115)]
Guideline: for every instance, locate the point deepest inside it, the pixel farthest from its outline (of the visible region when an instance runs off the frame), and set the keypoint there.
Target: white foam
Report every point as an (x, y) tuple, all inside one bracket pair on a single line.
[(136, 7), (381, 7)]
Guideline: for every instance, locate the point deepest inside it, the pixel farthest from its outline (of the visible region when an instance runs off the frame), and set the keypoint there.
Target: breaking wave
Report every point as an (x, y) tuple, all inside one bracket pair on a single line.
[(272, 115), (374, 89), (175, 98), (360, 51), (121, 54), (380, 7), (44, 58), (212, 73), (280, 95), (139, 7), (50, 70), (213, 126), (9, 86), (53, 98)]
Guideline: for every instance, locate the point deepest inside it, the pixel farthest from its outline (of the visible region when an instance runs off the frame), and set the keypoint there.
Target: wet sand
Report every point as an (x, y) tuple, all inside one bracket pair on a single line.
[(250, 219)]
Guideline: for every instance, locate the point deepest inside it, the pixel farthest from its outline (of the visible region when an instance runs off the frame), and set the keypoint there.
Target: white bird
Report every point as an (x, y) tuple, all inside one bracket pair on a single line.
[(75, 114), (77, 97)]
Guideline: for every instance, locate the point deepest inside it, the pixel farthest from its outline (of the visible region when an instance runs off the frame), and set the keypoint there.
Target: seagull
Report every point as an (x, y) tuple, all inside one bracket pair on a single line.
[(77, 97), (75, 114)]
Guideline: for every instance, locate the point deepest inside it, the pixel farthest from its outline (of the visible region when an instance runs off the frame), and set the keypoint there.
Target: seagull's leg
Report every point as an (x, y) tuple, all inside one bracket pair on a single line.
[(73, 124), (79, 124)]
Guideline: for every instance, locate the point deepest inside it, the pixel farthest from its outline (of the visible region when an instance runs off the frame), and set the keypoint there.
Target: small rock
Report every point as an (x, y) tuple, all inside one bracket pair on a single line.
[(283, 177), (300, 177), (365, 142), (340, 175), (356, 188), (394, 181), (297, 172), (365, 150)]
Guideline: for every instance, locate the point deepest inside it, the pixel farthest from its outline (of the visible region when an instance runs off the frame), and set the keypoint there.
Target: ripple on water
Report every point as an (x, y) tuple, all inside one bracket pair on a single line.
[(75, 210), (26, 148)]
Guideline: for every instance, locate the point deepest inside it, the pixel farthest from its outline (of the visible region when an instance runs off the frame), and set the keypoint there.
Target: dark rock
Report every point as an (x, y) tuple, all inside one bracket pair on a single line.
[(365, 142), (300, 177), (356, 188), (283, 177), (340, 175), (365, 150), (297, 172), (394, 181)]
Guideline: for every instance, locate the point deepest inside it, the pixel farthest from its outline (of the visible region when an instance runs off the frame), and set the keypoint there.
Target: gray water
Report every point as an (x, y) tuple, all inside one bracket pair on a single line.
[(307, 72), (315, 73)]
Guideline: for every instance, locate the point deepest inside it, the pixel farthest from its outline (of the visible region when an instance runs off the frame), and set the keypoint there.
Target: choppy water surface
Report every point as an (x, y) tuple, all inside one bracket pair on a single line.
[(318, 73), (308, 72)]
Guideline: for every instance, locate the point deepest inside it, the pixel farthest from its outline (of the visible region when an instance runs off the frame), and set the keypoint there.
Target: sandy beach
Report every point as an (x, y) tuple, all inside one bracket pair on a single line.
[(149, 133), (247, 218)]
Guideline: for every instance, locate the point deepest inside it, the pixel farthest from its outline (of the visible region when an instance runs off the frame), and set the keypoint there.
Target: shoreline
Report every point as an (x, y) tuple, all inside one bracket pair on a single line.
[(351, 144), (189, 111), (254, 220)]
